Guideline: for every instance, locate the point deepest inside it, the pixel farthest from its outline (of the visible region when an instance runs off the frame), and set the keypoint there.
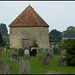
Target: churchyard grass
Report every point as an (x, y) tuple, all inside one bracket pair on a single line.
[(35, 64)]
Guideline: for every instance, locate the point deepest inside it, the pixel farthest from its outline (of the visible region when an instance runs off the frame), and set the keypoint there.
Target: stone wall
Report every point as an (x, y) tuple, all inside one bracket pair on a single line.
[(40, 34), (66, 39)]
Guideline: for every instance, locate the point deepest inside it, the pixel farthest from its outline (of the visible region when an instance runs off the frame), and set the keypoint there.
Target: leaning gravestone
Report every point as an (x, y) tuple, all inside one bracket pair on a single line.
[(40, 49), (24, 66), (14, 57), (1, 51), (12, 51), (26, 51), (5, 69), (45, 61), (21, 52)]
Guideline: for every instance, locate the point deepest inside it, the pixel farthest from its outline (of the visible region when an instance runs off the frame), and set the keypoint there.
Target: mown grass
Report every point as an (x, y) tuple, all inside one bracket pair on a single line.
[(35, 65)]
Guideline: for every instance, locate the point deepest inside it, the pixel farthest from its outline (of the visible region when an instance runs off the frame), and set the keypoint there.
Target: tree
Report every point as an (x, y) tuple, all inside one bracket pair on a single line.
[(70, 29), (69, 46), (1, 40), (55, 36), (3, 29)]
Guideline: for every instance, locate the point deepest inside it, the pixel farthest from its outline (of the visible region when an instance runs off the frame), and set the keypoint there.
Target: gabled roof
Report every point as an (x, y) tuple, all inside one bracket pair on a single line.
[(29, 18)]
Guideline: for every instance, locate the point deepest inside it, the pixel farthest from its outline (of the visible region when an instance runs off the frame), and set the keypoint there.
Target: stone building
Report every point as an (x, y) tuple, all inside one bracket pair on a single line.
[(28, 28), (66, 36)]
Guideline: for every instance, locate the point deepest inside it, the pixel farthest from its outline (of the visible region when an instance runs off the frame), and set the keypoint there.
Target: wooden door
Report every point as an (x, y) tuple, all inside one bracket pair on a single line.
[(25, 44)]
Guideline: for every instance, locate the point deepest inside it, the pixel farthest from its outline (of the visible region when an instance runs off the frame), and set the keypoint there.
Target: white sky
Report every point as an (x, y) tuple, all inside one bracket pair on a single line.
[(57, 14)]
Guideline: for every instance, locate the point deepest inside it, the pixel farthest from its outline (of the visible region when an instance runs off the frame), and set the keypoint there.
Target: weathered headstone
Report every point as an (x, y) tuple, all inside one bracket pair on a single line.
[(61, 62), (8, 50), (27, 57), (4, 50), (12, 51), (45, 61), (5, 69), (49, 55), (56, 50), (1, 51), (14, 57), (40, 49), (21, 52), (52, 72), (24, 66), (50, 50), (26, 51)]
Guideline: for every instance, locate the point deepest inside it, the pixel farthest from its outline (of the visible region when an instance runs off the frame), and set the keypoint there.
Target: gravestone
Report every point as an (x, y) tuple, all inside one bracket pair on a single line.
[(21, 52), (61, 62), (24, 66), (56, 50), (27, 57), (14, 57), (40, 49), (5, 50), (50, 50), (5, 69), (1, 51), (45, 61), (33, 52), (52, 72), (12, 51), (49, 55), (8, 50), (26, 51), (63, 52), (2, 63)]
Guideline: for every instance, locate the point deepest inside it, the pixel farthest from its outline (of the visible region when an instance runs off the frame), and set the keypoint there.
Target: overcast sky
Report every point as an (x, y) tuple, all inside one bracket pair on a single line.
[(57, 14)]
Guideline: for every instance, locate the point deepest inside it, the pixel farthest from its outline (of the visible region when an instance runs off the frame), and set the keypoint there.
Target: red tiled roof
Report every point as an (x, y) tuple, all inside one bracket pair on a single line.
[(29, 17)]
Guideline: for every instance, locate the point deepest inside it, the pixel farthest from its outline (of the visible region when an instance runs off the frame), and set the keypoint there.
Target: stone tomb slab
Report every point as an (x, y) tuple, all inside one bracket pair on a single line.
[(14, 57), (24, 66), (21, 52), (52, 72), (5, 69)]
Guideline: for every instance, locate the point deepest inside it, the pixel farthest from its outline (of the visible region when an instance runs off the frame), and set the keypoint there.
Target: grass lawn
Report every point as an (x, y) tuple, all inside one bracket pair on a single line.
[(35, 65)]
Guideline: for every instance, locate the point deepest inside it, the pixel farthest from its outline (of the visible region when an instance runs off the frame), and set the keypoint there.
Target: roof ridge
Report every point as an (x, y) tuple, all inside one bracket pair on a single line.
[(29, 17), (34, 16)]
